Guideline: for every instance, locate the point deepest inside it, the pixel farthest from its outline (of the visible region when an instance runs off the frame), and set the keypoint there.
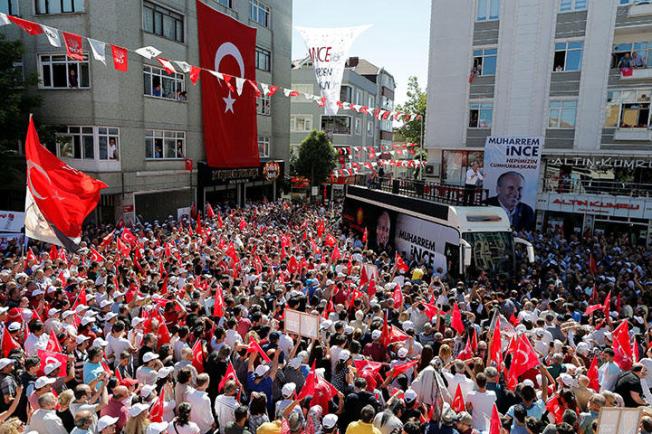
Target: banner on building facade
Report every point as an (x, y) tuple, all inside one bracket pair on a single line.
[(12, 221), (228, 106), (511, 174), (597, 204), (328, 49)]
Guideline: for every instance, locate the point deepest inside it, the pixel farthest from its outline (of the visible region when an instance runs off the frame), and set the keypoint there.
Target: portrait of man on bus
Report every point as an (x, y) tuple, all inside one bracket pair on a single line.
[(383, 232), (509, 192)]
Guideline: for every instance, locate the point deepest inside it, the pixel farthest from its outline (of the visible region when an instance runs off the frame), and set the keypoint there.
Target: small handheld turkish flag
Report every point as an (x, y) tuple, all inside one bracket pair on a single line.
[(198, 356)]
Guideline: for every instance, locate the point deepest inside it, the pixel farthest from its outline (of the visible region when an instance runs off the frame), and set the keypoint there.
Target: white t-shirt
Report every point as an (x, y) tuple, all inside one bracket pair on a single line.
[(189, 428), (482, 403)]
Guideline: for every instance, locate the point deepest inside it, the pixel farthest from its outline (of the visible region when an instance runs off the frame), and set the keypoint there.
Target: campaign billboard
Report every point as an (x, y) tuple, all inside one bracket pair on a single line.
[(511, 174)]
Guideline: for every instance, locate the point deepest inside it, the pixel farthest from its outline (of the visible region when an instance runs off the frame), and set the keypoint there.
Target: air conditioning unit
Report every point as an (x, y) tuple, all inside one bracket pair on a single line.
[(432, 170)]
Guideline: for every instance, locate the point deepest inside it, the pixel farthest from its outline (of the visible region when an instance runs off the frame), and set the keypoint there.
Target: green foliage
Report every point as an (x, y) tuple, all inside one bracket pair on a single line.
[(17, 104), (316, 158), (415, 104)]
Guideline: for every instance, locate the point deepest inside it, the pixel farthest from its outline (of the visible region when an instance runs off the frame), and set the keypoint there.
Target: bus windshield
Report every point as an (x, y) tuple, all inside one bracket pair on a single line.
[(493, 252)]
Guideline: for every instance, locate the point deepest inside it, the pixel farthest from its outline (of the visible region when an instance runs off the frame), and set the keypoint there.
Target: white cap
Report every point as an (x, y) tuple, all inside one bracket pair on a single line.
[(3, 309), (147, 390), (295, 363), (164, 372), (376, 334), (14, 326), (410, 395), (109, 316), (99, 342), (528, 382), (402, 352), (67, 313), (408, 325), (348, 330), (137, 320), (50, 367), (81, 339), (43, 381), (136, 409), (87, 320), (345, 355), (37, 292), (105, 422), (261, 370), (5, 362), (52, 289), (329, 421), (105, 303), (53, 311), (156, 427), (80, 307), (288, 389), (149, 356), (326, 324)]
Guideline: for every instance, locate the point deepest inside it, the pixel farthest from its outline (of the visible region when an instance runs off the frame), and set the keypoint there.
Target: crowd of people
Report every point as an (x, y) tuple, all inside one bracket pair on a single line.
[(180, 327)]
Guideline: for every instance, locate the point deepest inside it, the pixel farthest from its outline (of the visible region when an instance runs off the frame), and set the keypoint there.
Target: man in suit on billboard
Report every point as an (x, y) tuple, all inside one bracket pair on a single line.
[(509, 189)]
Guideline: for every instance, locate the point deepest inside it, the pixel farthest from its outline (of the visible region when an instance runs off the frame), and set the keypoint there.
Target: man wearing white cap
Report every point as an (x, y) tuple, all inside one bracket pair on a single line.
[(117, 343), (201, 412), (157, 428), (329, 424), (42, 386), (53, 322), (107, 425), (145, 371), (36, 340), (45, 420), (288, 393)]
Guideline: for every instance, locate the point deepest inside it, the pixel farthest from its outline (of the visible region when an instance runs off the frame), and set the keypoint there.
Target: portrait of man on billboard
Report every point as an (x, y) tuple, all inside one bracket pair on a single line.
[(383, 232), (509, 192)]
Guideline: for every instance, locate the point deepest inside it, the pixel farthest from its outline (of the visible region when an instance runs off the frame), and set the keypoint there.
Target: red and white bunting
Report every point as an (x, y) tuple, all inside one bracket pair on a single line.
[(167, 65), (120, 58), (99, 50), (148, 52), (74, 48), (53, 36)]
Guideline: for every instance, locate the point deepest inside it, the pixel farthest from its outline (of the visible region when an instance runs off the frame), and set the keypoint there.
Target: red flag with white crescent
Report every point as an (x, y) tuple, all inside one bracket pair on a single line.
[(229, 112), (198, 356), (58, 197), (48, 357)]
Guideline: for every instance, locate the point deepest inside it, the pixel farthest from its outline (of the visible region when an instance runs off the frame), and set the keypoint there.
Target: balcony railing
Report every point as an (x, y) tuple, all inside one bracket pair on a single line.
[(426, 190), (597, 186)]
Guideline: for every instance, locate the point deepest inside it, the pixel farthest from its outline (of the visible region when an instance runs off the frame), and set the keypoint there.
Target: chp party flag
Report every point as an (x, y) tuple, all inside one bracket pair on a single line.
[(74, 48), (230, 130), (58, 197)]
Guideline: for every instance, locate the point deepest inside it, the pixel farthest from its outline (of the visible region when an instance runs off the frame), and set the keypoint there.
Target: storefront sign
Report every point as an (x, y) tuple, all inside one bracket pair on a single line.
[(219, 176), (12, 221), (596, 204), (271, 170), (601, 162), (511, 172)]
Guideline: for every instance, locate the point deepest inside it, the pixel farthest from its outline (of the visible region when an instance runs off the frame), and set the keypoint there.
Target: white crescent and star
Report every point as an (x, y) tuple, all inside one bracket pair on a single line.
[(224, 50)]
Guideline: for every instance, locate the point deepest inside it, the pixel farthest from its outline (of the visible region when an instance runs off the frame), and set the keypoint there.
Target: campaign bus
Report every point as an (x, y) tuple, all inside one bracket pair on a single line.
[(461, 240)]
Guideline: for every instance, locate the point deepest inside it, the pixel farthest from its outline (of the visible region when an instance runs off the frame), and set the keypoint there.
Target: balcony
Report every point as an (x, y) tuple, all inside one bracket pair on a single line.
[(633, 134), (638, 74), (640, 9)]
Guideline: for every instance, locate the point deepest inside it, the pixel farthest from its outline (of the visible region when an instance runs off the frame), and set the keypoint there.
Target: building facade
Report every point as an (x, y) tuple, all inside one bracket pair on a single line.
[(576, 72), (352, 133), (134, 130)]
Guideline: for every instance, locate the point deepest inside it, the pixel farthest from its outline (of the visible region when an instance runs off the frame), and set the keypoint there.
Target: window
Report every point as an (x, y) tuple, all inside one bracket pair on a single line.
[(60, 72), (160, 144), (386, 103), (370, 128), (572, 5), (484, 61), (346, 94), (358, 127), (372, 101), (568, 56), (263, 59), (336, 124), (226, 3), (263, 105), (59, 6), (160, 84), (162, 22), (488, 10), (259, 13), (561, 113), (9, 7), (302, 88), (88, 143), (358, 97), (263, 146), (636, 2), (480, 115), (294, 150), (628, 109), (639, 54), (300, 123)]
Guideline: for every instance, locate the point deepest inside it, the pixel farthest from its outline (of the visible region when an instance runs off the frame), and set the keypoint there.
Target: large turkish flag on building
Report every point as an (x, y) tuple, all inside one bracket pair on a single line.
[(229, 111)]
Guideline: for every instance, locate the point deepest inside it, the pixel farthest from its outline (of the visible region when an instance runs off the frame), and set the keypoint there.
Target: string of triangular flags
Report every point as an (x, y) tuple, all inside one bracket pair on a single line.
[(120, 55), (396, 149)]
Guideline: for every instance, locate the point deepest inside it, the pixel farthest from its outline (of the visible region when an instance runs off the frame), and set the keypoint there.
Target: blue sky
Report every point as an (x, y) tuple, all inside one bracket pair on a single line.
[(397, 40)]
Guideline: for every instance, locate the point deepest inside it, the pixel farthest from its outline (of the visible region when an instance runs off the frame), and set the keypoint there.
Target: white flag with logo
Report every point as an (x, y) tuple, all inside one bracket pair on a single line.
[(328, 50), (184, 66), (52, 34), (148, 52), (4, 20), (99, 50)]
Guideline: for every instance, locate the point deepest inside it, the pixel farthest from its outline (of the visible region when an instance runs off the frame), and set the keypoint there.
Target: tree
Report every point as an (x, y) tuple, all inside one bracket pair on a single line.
[(415, 104), (316, 159), (17, 104)]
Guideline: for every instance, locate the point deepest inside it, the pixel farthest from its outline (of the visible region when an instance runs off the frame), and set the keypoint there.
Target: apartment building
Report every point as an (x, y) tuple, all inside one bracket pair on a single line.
[(134, 130), (576, 72), (352, 133)]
